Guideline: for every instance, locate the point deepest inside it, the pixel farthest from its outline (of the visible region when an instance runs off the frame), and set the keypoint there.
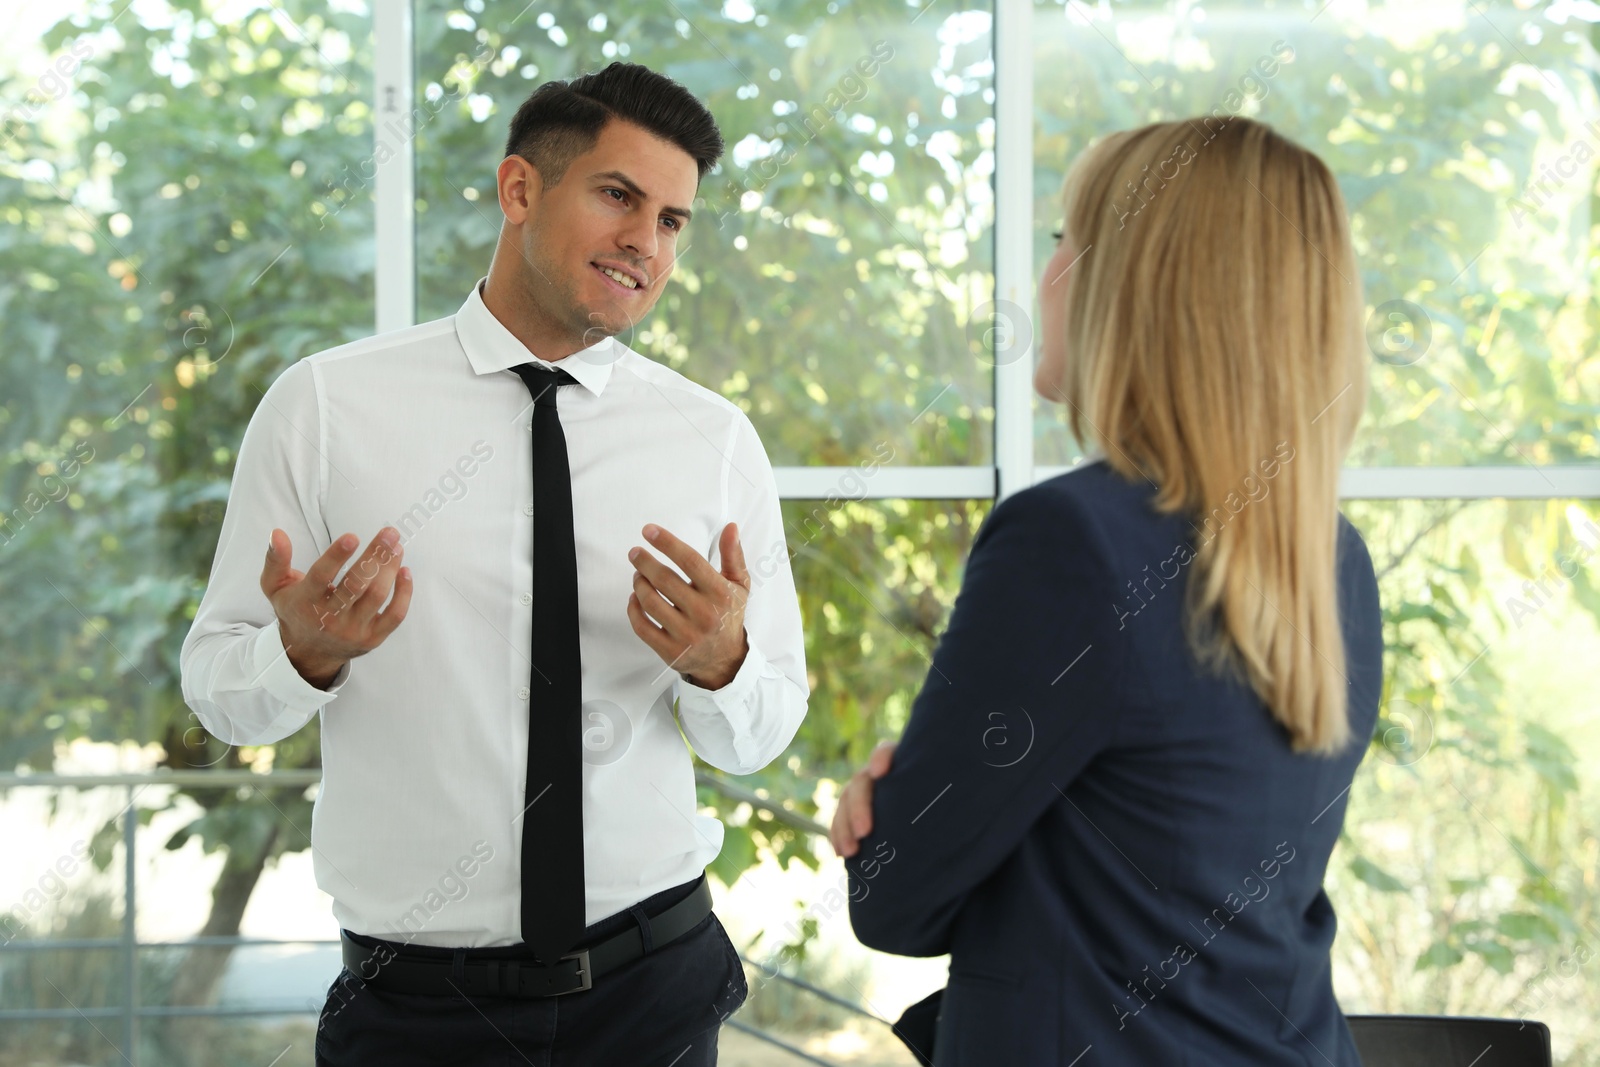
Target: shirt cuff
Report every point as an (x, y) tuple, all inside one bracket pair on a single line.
[(274, 673), (733, 694)]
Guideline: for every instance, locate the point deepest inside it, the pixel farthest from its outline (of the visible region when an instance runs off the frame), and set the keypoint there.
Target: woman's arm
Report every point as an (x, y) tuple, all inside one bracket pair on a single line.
[(1021, 695)]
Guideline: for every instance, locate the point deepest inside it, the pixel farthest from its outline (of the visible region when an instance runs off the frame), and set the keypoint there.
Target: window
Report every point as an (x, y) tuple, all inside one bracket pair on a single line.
[(839, 253), (199, 195), (1461, 134)]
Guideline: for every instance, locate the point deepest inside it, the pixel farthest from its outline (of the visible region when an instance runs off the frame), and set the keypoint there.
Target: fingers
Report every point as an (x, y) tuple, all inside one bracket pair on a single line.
[(852, 819), (733, 565), (686, 612), (382, 554), (840, 832), (662, 577), (276, 572), (328, 626), (664, 614), (322, 572), (395, 613), (882, 757), (649, 632), (702, 604), (861, 808), (385, 564), (693, 563)]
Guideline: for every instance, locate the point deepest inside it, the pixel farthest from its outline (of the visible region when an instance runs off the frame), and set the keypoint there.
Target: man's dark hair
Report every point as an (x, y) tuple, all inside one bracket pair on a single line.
[(561, 120)]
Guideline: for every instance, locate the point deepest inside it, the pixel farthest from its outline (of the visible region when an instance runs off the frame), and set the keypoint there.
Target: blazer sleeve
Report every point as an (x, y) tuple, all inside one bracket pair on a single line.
[(1020, 696)]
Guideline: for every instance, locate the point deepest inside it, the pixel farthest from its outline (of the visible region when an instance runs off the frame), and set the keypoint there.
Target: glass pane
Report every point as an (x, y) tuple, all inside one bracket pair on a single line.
[(838, 254), (185, 216), (173, 247), (876, 580), (54, 892), (61, 927), (1465, 880), (1463, 138)]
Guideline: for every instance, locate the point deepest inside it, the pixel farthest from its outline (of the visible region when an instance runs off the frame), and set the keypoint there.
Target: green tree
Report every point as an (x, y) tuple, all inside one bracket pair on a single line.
[(154, 286), (190, 218)]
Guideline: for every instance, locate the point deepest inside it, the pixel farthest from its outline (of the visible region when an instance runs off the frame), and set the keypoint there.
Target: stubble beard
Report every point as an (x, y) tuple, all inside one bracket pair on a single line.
[(554, 292)]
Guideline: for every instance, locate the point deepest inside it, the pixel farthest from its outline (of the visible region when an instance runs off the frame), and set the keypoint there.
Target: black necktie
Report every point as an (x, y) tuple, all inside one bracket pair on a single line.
[(552, 823)]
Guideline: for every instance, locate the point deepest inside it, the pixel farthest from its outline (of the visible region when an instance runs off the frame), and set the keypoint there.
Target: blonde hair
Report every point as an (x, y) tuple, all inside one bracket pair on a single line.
[(1213, 321)]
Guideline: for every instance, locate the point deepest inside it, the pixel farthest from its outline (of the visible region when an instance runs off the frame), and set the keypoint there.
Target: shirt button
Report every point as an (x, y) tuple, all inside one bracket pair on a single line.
[(528, 427), (522, 694), (527, 509), (527, 598)]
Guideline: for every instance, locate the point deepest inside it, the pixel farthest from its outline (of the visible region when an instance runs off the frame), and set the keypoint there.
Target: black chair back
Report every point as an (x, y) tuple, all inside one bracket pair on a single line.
[(1449, 1041)]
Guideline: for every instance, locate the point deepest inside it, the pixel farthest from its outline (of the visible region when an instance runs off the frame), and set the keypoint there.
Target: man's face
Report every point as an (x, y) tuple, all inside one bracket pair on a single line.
[(603, 241)]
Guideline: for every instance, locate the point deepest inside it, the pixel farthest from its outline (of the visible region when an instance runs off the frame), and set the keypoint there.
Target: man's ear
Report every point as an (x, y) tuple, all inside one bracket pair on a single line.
[(520, 189)]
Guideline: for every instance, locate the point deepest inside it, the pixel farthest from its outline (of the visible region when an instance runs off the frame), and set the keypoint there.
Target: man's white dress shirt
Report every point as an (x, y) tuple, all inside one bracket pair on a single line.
[(416, 831)]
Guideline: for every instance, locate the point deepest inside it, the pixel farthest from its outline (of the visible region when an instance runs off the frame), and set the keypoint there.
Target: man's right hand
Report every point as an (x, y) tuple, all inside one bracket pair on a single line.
[(324, 626)]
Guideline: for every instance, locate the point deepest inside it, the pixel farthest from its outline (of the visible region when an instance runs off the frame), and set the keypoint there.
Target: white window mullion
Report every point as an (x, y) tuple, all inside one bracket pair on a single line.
[(885, 483), (394, 180), (1453, 483), (1469, 483), (1013, 245)]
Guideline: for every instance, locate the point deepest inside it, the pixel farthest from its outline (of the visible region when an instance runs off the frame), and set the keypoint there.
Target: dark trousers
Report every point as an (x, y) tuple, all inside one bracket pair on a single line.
[(661, 1010)]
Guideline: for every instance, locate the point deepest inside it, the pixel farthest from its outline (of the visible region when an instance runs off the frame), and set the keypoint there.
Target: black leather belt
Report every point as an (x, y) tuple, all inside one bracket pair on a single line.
[(388, 969)]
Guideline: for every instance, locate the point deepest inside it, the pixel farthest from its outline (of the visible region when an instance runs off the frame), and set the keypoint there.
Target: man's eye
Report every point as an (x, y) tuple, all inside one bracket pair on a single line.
[(620, 194), (671, 222)]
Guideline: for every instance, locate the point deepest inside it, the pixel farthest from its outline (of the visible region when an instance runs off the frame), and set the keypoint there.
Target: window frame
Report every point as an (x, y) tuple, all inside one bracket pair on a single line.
[(1013, 468)]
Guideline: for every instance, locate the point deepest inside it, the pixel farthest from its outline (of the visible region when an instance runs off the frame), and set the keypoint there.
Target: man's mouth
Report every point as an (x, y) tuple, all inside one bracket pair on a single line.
[(623, 279)]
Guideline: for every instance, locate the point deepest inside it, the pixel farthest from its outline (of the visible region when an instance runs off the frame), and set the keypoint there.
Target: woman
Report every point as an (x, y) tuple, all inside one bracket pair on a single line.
[(1115, 798)]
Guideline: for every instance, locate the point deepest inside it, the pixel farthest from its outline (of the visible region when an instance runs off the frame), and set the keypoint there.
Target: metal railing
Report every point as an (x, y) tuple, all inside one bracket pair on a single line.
[(131, 1011)]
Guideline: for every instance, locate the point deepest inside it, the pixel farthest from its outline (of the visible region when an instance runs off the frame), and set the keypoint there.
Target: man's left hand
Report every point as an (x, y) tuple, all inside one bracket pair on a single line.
[(696, 627)]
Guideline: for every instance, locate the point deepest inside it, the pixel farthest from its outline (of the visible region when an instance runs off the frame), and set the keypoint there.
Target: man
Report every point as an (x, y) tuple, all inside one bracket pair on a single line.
[(507, 821)]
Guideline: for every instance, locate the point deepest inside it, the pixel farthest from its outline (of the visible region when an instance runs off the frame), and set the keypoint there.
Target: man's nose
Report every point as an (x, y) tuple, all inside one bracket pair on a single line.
[(639, 237)]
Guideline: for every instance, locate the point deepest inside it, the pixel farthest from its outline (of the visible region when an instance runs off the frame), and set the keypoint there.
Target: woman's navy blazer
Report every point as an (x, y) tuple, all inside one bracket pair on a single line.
[(1119, 851)]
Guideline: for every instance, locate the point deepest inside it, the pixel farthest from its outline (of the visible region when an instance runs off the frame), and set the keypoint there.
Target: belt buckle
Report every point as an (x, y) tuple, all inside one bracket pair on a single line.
[(583, 972)]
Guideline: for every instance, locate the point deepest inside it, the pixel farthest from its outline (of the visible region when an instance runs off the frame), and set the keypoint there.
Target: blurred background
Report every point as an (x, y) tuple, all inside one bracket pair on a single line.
[(194, 194)]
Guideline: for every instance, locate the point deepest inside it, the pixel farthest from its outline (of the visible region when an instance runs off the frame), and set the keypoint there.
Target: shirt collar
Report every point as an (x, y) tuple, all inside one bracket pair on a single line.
[(491, 348)]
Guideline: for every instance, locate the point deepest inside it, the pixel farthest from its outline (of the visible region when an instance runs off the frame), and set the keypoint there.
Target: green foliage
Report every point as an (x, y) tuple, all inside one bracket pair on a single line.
[(1375, 876), (1465, 877), (1439, 126), (158, 284), (829, 300), (193, 218), (196, 216)]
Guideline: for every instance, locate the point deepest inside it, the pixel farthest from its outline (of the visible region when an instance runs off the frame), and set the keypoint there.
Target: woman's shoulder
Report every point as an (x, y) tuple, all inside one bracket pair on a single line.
[(1121, 507), (1359, 599), (1063, 510), (1352, 546), (1094, 508), (1092, 483)]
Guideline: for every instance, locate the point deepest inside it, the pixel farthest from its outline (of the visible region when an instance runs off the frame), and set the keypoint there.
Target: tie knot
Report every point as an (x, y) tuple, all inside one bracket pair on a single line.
[(542, 381)]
